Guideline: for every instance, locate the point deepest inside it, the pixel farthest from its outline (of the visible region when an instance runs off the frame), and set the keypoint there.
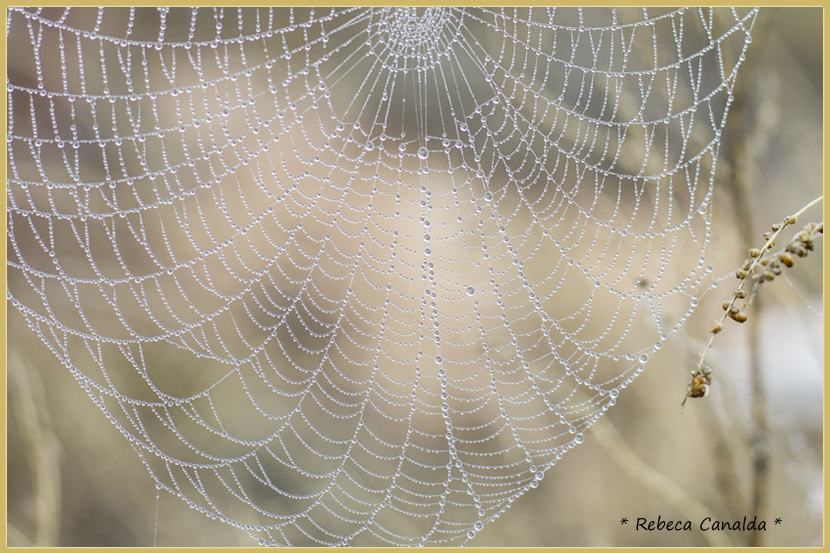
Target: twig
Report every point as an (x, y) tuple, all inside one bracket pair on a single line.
[(759, 434), (654, 481), (42, 448), (16, 538), (701, 376)]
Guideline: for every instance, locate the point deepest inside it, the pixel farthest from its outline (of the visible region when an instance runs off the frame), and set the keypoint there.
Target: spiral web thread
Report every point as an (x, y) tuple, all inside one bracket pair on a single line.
[(361, 276)]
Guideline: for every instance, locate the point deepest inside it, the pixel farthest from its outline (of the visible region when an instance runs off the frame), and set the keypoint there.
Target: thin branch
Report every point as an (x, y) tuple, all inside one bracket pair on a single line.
[(748, 272), (759, 435), (654, 481), (42, 448), (16, 538)]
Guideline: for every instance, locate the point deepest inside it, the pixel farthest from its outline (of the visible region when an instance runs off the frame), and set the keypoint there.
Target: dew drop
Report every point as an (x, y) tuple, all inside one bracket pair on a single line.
[(423, 153)]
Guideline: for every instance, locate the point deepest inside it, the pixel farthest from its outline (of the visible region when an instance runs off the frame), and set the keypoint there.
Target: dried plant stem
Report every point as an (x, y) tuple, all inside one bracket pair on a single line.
[(42, 448), (753, 265), (654, 481), (723, 444), (759, 432), (16, 538)]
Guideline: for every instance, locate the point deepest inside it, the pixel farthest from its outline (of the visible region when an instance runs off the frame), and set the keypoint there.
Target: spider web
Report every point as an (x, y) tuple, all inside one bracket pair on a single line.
[(361, 276)]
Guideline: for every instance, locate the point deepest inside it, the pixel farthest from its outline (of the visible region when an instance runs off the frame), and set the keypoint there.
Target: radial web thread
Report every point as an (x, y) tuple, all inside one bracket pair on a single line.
[(361, 276)]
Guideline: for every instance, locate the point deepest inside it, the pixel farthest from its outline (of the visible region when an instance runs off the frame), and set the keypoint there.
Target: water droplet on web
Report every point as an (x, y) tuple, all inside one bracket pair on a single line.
[(347, 196), (644, 358)]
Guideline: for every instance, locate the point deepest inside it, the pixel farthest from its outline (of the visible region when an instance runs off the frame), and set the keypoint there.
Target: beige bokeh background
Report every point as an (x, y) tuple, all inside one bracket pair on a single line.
[(106, 498)]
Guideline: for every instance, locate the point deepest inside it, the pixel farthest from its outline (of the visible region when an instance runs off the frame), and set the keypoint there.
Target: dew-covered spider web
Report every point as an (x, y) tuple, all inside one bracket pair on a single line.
[(361, 275)]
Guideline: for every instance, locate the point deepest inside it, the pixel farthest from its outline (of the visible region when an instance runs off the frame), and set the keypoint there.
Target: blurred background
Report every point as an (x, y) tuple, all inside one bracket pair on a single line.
[(770, 166)]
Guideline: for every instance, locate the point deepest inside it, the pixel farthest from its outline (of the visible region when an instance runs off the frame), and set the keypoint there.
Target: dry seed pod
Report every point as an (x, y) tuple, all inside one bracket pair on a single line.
[(791, 220), (745, 265), (725, 305), (754, 252), (717, 327), (820, 227), (741, 274), (699, 386), (769, 275), (740, 316), (787, 259), (739, 293)]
